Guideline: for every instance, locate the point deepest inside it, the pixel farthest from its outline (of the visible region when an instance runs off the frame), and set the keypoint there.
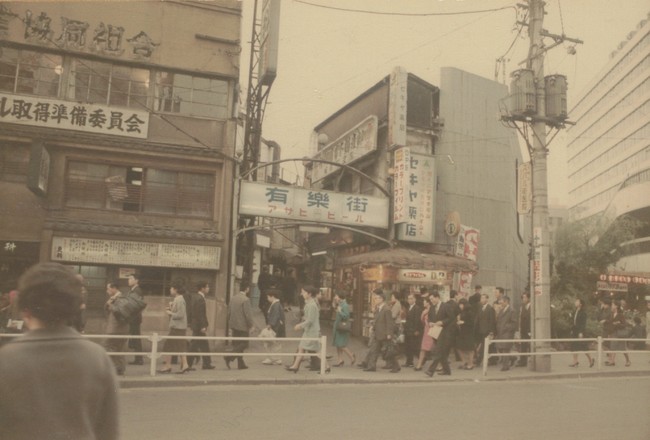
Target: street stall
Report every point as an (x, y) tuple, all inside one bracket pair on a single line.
[(393, 270)]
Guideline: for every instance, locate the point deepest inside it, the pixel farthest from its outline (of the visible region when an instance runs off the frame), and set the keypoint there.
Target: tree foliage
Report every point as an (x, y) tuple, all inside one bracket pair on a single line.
[(582, 251)]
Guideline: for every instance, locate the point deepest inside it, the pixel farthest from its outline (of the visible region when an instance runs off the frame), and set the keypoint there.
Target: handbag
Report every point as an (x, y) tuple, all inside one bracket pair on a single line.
[(343, 326), (434, 331)]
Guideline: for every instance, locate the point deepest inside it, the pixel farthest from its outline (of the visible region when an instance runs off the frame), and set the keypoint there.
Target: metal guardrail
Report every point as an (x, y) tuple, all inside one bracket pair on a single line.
[(599, 348), (155, 338)]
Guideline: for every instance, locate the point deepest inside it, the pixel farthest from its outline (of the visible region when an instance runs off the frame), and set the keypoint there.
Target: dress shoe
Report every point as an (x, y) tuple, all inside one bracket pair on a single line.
[(386, 367), (521, 364), (407, 365), (362, 365), (369, 369), (136, 363), (120, 372), (429, 373), (445, 373), (227, 360), (207, 367), (395, 370), (191, 369), (504, 368), (242, 367)]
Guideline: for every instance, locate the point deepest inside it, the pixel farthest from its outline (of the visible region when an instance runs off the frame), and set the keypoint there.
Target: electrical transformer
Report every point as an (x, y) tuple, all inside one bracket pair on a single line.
[(555, 88), (522, 93)]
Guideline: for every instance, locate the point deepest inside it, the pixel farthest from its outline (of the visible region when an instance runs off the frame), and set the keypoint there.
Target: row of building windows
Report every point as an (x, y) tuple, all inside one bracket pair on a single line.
[(629, 110), (632, 143), (612, 176), (621, 91), (83, 80), (139, 189), (611, 77)]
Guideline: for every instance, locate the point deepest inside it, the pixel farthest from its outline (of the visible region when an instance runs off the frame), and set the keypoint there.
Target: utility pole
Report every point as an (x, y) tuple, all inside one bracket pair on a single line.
[(542, 290), (533, 112)]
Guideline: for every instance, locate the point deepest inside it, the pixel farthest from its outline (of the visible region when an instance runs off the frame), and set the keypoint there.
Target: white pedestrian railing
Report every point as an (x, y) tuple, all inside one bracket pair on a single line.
[(155, 338), (599, 351)]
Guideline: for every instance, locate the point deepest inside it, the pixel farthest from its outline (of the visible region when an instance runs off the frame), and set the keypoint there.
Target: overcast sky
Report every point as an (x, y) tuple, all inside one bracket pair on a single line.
[(327, 57)]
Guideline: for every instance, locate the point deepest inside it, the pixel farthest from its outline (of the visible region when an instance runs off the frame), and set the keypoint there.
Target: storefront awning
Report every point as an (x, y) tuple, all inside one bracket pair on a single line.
[(410, 259)]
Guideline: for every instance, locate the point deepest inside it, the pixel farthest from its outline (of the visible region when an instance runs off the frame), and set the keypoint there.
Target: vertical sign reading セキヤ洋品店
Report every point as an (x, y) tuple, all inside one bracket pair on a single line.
[(417, 201)]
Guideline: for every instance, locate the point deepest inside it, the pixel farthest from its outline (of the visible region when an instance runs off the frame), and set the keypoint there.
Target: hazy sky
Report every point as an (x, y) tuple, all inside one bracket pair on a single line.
[(328, 57)]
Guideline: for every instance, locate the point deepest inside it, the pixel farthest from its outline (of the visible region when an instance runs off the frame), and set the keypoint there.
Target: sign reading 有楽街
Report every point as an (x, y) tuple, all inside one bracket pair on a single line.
[(289, 202), (93, 118)]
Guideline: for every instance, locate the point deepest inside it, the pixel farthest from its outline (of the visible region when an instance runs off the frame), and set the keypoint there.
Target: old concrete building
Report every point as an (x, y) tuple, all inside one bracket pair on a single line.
[(116, 138)]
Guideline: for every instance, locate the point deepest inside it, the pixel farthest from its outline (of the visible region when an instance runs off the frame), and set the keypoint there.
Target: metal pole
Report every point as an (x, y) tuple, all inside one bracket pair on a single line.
[(486, 353), (233, 235), (154, 354), (541, 298)]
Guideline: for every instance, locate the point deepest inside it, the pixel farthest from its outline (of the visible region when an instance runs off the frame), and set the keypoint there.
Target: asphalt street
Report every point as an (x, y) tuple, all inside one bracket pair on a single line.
[(594, 409)]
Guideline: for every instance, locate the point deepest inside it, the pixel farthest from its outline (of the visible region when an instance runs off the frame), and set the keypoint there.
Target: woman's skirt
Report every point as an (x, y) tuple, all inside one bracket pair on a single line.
[(175, 345)]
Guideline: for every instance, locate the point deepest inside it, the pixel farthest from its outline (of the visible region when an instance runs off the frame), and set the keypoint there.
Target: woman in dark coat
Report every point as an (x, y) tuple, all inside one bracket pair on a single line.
[(465, 340), (578, 331), (617, 326)]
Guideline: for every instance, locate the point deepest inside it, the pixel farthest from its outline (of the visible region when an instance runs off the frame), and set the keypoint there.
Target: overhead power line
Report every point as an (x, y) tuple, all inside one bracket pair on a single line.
[(404, 14)]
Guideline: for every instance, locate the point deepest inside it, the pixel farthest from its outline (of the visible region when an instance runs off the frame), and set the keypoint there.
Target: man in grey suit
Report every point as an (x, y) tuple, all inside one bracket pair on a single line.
[(506, 327), (240, 319), (383, 329)]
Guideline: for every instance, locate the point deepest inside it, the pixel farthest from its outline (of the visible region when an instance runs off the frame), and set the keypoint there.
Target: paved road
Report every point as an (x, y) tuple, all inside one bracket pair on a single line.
[(594, 409)]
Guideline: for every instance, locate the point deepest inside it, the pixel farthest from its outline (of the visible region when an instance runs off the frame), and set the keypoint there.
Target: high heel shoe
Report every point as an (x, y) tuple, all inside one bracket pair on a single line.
[(628, 363), (327, 370), (183, 371), (289, 368), (417, 368), (354, 359), (574, 364), (340, 364), (592, 362), (165, 371)]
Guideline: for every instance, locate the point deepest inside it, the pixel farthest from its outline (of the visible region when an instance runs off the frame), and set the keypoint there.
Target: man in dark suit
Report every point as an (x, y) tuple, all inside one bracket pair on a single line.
[(412, 330), (506, 327), (383, 329), (441, 315), (484, 325), (524, 329), (199, 326), (136, 321)]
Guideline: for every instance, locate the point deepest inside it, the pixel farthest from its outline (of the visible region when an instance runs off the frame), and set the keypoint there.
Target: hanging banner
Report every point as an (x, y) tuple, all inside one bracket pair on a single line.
[(397, 96), (537, 261), (467, 242), (402, 158), (524, 188)]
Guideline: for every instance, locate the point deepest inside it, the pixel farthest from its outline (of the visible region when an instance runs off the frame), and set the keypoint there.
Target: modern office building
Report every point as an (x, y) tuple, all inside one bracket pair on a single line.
[(116, 138), (608, 149)]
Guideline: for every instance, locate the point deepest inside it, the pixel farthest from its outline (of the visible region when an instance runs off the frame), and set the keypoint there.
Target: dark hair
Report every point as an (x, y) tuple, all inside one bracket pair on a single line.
[(342, 294), (179, 286), (201, 284), (435, 295), (526, 294), (378, 291), (485, 295), (582, 302), (135, 275), (478, 286), (452, 294), (243, 285), (463, 302), (51, 293), (311, 290), (506, 299), (501, 289), (273, 292), (112, 285), (423, 290)]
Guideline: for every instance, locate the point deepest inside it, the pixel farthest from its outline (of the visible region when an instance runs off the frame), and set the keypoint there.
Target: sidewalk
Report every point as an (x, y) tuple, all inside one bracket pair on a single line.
[(257, 373)]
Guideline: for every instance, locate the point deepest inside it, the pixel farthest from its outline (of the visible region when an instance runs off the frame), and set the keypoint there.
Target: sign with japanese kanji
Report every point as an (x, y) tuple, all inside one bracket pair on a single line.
[(537, 261), (289, 202), (419, 198), (402, 158), (354, 144), (397, 100), (93, 118), (90, 250), (467, 243)]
